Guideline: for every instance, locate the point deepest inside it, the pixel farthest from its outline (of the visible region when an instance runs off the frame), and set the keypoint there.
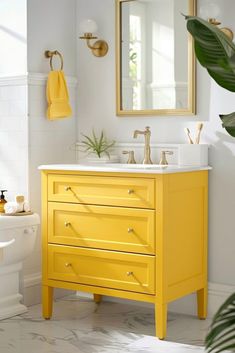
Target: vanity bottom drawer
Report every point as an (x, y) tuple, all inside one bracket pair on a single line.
[(110, 269)]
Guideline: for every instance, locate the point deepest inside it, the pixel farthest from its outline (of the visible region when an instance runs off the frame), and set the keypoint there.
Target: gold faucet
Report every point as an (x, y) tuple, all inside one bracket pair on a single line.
[(147, 150), (163, 160), (131, 157)]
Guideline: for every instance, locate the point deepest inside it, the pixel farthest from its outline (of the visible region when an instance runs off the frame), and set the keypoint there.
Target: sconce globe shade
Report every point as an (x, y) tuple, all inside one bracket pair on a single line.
[(88, 26), (209, 10)]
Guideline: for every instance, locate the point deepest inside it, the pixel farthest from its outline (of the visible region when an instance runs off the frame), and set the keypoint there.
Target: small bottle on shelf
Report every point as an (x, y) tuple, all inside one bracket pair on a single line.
[(2, 201)]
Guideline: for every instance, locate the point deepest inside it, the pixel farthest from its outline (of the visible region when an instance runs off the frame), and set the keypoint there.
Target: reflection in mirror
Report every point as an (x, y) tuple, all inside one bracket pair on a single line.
[(155, 73)]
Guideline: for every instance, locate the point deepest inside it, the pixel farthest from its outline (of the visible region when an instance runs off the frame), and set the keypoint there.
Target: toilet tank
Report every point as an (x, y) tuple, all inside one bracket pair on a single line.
[(21, 229)]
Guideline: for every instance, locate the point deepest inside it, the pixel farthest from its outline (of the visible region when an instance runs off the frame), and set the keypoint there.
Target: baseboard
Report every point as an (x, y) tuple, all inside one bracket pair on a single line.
[(217, 294), (32, 285)]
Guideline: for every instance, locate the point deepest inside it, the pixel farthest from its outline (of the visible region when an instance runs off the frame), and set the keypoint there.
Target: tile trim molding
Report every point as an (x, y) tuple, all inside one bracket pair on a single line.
[(138, 147), (20, 80), (35, 78), (217, 293), (32, 78)]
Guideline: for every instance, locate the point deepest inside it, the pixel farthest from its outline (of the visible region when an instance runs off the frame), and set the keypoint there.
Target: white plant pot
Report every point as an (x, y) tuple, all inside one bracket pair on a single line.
[(103, 159)]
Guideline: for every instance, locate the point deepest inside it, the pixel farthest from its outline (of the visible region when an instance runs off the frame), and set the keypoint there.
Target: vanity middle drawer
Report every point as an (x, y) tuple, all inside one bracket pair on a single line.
[(102, 190), (113, 228), (102, 268)]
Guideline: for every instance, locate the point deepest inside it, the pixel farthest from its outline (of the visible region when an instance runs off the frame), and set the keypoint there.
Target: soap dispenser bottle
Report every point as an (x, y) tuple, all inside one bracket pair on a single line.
[(2, 201)]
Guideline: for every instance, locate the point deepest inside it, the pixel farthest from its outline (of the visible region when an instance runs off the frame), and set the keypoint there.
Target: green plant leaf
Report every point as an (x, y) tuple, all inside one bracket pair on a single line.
[(214, 50), (222, 333), (95, 138), (87, 143), (228, 122), (97, 145), (89, 140), (219, 347), (101, 140)]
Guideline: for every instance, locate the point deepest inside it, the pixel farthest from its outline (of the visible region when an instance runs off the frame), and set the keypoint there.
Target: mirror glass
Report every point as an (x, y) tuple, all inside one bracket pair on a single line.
[(155, 60)]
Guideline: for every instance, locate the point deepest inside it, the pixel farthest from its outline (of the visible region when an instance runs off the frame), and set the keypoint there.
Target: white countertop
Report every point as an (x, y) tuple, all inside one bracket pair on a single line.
[(124, 168)]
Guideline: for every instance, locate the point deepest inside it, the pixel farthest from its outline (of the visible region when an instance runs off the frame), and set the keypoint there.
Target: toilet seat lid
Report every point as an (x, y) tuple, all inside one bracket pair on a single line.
[(7, 222)]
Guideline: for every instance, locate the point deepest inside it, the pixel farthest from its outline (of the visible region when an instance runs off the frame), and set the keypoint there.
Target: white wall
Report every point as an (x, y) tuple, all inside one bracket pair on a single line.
[(27, 138), (13, 137), (13, 33), (13, 98), (96, 109), (51, 25)]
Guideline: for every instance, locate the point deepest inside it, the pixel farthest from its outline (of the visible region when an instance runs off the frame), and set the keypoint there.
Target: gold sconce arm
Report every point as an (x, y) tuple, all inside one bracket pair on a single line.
[(99, 48)]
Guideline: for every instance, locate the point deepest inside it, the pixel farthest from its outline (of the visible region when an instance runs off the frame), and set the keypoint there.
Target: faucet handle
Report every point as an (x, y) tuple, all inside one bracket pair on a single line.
[(163, 160), (131, 157)]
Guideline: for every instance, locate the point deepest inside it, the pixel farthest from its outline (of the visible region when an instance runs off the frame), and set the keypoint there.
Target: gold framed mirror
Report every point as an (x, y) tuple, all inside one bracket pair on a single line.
[(155, 61)]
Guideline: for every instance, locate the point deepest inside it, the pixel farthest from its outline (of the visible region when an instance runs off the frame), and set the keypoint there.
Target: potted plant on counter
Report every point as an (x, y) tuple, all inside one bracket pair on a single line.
[(216, 52), (99, 146)]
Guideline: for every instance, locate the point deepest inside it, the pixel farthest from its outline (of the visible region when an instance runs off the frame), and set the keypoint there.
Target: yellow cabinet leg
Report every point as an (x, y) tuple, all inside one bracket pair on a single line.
[(202, 303), (161, 320), (47, 302), (97, 298)]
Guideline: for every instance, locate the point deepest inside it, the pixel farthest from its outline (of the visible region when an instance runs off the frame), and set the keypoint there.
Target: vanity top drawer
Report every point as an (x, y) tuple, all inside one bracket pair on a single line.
[(102, 268), (112, 191), (102, 227)]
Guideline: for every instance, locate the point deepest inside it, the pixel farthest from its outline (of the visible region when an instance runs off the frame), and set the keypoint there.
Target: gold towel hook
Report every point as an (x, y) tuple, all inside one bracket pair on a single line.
[(50, 54)]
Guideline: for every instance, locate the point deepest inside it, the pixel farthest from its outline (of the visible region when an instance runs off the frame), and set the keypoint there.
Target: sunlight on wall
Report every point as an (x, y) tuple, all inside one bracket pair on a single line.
[(13, 37)]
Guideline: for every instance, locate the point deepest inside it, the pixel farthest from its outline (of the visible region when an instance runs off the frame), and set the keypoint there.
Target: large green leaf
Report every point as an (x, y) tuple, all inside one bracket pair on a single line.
[(214, 50), (228, 122), (222, 333)]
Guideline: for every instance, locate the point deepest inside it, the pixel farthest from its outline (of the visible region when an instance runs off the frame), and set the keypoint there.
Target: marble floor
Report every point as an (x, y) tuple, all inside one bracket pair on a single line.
[(81, 326)]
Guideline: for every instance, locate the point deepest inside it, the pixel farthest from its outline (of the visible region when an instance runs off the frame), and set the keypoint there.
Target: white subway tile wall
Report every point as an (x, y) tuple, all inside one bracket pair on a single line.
[(13, 139), (28, 139)]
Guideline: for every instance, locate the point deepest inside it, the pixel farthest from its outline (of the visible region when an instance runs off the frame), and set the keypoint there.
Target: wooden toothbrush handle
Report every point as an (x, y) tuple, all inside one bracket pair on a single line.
[(198, 137), (190, 140)]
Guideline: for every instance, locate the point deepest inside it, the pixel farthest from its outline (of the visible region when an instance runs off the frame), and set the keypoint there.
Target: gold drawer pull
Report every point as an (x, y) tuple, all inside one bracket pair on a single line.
[(68, 264), (131, 191), (67, 188), (130, 273), (130, 230), (67, 224)]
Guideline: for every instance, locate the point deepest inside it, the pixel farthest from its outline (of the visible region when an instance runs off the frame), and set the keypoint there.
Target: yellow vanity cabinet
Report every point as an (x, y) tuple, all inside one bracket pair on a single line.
[(139, 236)]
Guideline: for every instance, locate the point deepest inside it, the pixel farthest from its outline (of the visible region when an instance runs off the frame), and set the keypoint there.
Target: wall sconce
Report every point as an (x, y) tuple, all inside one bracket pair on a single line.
[(100, 47), (211, 11)]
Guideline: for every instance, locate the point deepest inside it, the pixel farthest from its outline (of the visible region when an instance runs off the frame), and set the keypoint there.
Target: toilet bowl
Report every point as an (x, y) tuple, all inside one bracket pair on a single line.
[(17, 240)]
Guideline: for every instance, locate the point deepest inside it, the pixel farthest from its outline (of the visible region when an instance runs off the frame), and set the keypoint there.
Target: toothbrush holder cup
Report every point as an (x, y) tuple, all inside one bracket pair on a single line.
[(193, 155)]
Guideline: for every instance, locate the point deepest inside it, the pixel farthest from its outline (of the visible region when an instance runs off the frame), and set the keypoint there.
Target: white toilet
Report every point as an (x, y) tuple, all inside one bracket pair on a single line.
[(17, 240)]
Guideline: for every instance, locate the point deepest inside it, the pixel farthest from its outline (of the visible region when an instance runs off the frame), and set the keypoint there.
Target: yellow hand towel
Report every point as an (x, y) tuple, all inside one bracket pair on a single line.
[(57, 96)]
